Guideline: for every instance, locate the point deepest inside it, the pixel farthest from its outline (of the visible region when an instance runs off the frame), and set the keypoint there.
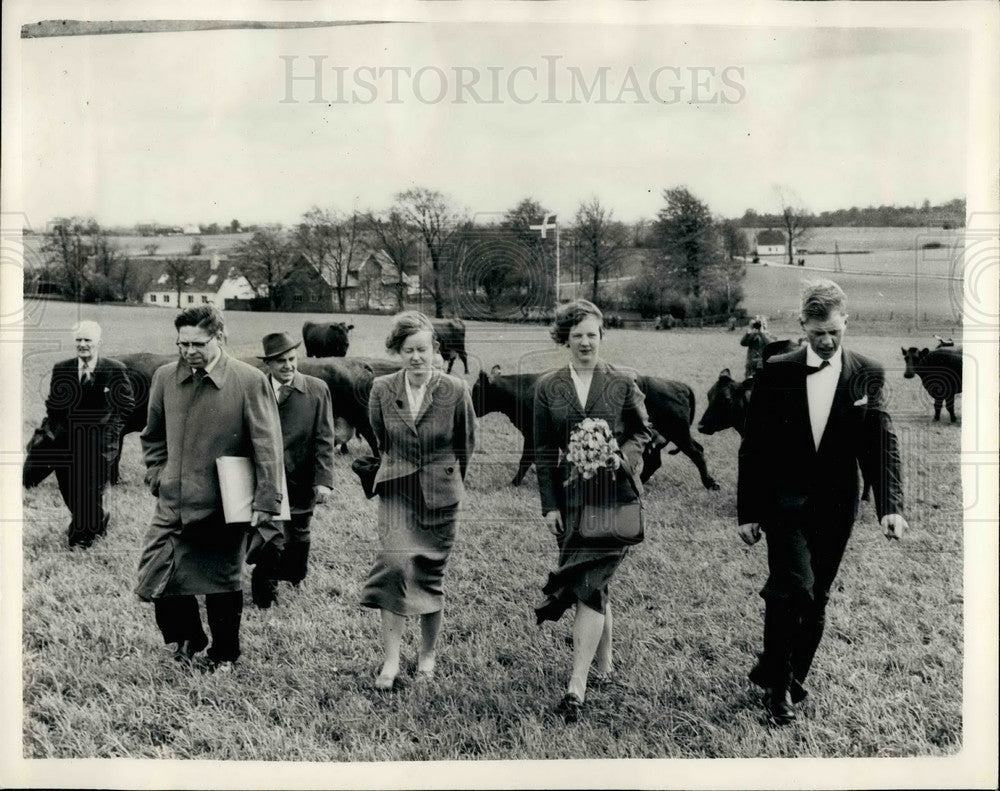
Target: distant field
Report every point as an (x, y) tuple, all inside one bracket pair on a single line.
[(687, 615)]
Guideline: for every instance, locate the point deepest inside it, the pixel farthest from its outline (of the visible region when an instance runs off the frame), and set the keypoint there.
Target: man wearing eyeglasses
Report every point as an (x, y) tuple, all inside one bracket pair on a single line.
[(90, 397), (204, 406)]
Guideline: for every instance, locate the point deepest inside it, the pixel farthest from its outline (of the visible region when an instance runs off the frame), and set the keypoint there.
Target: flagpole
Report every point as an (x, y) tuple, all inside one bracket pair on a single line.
[(557, 263)]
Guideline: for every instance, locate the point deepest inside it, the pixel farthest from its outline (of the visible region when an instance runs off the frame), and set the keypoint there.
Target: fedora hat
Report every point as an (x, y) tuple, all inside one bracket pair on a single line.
[(276, 344)]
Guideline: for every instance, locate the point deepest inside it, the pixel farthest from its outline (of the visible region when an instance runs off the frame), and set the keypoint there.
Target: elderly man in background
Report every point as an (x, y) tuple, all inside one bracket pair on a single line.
[(90, 397), (307, 433), (202, 407)]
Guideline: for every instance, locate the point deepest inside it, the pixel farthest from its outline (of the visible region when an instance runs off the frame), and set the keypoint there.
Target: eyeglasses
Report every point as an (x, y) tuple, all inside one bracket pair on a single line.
[(193, 344)]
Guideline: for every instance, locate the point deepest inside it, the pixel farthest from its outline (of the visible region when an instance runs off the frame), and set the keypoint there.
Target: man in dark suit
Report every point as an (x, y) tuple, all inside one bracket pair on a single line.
[(307, 434), (89, 399), (815, 416)]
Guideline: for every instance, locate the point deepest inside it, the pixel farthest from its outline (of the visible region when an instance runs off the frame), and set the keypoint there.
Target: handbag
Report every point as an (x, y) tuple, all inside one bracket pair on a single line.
[(607, 520)]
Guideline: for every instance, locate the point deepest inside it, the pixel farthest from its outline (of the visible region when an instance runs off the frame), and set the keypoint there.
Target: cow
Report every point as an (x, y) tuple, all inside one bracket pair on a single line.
[(670, 406), (451, 338), (940, 372), (326, 340)]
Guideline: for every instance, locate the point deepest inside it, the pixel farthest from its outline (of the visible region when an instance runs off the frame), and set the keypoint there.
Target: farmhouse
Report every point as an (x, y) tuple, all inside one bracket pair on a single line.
[(770, 243), (304, 288), (199, 279), (377, 284)]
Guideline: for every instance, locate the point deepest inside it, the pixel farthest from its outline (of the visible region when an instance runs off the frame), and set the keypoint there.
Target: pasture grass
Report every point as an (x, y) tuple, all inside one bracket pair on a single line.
[(887, 681)]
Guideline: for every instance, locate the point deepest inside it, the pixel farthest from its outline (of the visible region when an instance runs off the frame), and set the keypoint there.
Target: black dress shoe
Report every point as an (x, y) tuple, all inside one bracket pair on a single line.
[(797, 692), (186, 649), (570, 707), (778, 703)]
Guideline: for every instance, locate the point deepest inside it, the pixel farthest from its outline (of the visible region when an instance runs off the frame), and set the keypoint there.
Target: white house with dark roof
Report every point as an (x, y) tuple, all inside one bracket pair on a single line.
[(208, 280), (770, 242)]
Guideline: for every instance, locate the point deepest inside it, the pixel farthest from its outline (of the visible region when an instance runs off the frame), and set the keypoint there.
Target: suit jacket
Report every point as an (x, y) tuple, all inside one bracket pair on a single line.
[(307, 434), (613, 396), (437, 445), (106, 403), (782, 473), (233, 413)]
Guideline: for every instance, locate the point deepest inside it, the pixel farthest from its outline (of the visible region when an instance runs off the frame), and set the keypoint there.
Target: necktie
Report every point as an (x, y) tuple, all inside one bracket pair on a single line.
[(199, 375), (820, 367), (283, 392), (87, 377)]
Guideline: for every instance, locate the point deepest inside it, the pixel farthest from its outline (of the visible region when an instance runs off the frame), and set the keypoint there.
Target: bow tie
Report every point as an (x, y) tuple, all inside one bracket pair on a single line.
[(820, 367)]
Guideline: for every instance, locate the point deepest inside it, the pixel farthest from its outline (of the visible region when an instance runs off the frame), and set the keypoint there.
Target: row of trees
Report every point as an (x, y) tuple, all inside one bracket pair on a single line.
[(464, 264)]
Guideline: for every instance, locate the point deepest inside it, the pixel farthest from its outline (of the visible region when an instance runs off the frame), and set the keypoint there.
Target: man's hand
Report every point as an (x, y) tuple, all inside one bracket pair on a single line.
[(322, 492), (750, 533), (894, 526), (553, 521)]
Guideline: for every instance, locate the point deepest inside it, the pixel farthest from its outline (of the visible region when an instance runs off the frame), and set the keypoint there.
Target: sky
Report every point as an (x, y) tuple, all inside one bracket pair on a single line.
[(199, 127)]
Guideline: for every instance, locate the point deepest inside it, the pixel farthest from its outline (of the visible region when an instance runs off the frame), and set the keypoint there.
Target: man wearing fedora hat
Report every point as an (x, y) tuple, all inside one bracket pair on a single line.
[(307, 434)]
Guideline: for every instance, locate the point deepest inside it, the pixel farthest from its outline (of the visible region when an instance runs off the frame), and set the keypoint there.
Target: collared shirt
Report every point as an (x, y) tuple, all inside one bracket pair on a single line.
[(416, 396), (276, 387), (82, 367), (820, 389), (582, 388), (210, 366)]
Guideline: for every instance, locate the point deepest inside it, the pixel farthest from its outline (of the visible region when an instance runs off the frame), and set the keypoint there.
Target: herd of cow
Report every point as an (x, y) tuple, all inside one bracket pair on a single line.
[(671, 404)]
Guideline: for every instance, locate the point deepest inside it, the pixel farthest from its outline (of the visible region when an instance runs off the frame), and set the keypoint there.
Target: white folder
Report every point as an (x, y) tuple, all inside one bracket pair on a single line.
[(237, 482)]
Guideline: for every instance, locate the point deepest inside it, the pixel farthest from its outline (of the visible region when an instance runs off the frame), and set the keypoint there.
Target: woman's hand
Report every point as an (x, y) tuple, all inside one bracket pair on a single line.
[(553, 521)]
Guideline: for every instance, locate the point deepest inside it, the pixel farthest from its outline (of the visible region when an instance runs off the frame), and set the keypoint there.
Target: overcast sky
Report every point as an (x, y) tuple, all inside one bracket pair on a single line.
[(191, 127)]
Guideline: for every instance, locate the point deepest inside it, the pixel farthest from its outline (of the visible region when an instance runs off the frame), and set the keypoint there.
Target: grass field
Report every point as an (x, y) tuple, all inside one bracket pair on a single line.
[(887, 681)]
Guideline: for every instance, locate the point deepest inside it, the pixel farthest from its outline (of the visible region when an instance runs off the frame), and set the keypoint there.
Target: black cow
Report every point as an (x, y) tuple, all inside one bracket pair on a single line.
[(940, 372), (451, 337), (670, 406), (326, 340)]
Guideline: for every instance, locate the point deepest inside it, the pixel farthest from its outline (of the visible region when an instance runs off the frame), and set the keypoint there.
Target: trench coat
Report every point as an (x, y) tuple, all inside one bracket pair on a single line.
[(188, 548)]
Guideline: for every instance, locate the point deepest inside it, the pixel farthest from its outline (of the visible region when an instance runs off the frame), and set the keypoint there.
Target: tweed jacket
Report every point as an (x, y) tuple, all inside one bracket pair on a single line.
[(437, 445), (232, 413), (307, 434), (782, 472), (613, 396), (107, 402)]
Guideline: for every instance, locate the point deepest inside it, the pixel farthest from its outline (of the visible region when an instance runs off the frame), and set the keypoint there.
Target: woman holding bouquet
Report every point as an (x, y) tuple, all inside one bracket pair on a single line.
[(570, 405)]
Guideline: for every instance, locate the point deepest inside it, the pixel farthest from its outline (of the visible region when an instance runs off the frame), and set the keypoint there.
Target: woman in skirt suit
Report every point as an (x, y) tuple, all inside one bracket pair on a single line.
[(587, 387), (425, 426)]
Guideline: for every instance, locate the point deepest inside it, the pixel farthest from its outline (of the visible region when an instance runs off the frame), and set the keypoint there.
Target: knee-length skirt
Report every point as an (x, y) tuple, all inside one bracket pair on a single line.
[(415, 543)]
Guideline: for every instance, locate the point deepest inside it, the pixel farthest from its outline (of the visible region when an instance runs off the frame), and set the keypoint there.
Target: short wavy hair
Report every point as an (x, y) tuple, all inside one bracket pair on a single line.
[(208, 317), (406, 324), (571, 314), (821, 298)]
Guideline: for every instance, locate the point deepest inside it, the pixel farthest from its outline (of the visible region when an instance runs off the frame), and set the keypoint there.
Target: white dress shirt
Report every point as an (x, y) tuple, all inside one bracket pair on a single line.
[(83, 367), (820, 389), (582, 388), (415, 395)]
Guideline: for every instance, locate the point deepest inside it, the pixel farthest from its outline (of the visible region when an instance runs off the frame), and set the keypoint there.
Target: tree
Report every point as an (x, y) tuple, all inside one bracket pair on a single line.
[(197, 247), (67, 250), (599, 241), (265, 260), (794, 219), (734, 239), (234, 226), (151, 248), (435, 220), (399, 243), (330, 242), (686, 236), (528, 261), (178, 271)]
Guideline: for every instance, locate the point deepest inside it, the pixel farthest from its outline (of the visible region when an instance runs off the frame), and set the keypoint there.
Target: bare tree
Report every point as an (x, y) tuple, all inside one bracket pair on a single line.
[(794, 219), (435, 220), (399, 243), (530, 250), (265, 260), (67, 249), (179, 270), (331, 243), (600, 241)]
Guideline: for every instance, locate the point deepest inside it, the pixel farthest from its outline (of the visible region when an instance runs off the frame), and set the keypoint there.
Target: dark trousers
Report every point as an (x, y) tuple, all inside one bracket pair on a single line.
[(803, 559), (285, 558), (82, 479), (179, 619)]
